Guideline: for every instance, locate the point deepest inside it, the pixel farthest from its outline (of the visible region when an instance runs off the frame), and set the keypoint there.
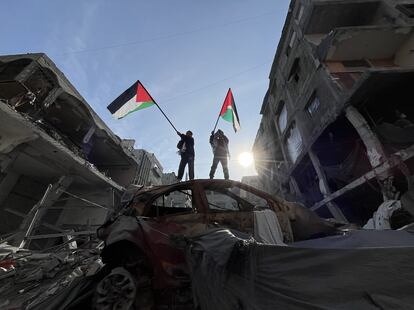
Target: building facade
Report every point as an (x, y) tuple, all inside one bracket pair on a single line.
[(168, 178), (62, 170), (337, 129), (150, 171)]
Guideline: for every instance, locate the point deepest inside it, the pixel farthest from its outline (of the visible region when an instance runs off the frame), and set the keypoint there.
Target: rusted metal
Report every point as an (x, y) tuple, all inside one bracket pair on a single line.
[(158, 235)]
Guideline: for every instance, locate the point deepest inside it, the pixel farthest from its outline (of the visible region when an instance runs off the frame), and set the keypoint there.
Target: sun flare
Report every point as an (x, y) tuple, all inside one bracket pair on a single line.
[(246, 159)]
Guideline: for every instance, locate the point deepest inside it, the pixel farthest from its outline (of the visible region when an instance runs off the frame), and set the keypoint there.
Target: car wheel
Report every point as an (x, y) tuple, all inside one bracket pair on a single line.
[(116, 291), (119, 290)]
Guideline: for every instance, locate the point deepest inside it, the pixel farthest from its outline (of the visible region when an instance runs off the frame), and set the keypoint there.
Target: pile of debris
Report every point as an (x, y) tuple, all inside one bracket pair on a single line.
[(266, 254), (47, 280)]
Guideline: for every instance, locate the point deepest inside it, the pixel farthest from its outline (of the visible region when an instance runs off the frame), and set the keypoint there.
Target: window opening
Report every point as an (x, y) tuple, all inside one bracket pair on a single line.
[(282, 118), (294, 143), (177, 201), (295, 71), (220, 200), (313, 104)]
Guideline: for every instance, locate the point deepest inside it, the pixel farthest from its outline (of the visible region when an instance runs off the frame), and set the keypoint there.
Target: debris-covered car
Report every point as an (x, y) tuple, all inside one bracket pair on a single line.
[(144, 246)]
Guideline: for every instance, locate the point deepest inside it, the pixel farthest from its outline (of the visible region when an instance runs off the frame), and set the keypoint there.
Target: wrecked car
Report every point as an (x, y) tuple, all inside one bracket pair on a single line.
[(145, 244)]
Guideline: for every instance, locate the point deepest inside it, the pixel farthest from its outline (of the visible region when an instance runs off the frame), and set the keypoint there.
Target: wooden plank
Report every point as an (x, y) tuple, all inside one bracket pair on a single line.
[(334, 209), (392, 162), (35, 215)]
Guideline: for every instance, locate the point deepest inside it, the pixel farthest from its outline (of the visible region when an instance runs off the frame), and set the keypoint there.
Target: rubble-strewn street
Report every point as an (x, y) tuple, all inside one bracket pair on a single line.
[(51, 279)]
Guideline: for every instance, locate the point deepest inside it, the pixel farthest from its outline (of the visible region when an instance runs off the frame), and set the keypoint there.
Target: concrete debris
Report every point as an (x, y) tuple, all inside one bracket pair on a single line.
[(63, 173), (28, 280), (381, 218)]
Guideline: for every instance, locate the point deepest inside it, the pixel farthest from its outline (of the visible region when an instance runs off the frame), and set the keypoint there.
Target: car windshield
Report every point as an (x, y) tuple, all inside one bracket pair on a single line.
[(176, 201), (233, 199)]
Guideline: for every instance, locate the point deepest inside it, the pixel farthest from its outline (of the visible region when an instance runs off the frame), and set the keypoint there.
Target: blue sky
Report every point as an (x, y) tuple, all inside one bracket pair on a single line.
[(187, 53)]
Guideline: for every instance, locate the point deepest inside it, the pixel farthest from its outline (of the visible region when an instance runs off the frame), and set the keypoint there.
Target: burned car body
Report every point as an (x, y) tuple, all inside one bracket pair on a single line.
[(149, 238)]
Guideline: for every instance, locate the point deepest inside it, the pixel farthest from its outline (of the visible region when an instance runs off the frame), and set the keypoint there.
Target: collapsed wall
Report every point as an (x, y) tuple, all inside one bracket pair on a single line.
[(62, 170)]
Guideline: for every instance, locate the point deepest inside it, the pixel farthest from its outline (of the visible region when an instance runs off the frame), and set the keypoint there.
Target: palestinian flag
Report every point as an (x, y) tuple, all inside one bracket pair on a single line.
[(229, 112), (134, 98)]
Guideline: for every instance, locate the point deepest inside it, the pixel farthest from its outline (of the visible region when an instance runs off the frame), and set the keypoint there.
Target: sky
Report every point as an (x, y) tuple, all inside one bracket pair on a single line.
[(187, 53)]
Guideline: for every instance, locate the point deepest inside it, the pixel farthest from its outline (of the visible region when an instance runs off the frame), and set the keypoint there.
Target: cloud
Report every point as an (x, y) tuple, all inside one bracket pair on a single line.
[(73, 33)]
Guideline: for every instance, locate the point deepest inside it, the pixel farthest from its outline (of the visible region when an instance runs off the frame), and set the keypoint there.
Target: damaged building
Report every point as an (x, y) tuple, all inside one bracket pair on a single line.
[(151, 170), (336, 136), (337, 128), (62, 169)]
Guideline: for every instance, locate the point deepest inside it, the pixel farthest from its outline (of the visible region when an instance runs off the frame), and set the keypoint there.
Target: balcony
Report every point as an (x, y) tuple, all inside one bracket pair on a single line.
[(373, 43), (349, 52), (328, 15)]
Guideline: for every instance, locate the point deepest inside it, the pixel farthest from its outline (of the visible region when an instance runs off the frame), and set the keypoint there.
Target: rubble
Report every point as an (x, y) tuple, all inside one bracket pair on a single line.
[(63, 173), (37, 280), (63, 170), (200, 255)]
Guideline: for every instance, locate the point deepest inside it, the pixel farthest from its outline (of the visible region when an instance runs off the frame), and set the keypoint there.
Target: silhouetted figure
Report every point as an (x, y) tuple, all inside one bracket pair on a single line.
[(220, 144), (186, 150)]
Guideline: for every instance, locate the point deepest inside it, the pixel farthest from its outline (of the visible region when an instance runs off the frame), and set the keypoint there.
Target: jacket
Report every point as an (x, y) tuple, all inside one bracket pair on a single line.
[(188, 145), (220, 144)]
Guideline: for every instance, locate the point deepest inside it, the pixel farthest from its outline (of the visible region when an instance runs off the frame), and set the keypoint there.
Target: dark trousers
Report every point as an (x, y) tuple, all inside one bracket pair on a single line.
[(185, 159), (223, 160)]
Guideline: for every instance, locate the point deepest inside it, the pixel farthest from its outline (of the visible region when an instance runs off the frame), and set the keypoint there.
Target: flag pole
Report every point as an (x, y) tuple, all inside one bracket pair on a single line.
[(165, 116), (215, 126), (159, 107), (218, 117)]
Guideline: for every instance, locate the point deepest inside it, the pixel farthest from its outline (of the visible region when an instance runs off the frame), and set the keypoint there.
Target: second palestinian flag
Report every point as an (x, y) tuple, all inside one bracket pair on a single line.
[(229, 112), (133, 99)]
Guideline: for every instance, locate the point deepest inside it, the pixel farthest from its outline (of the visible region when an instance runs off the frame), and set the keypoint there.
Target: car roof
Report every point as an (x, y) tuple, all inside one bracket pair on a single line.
[(211, 184)]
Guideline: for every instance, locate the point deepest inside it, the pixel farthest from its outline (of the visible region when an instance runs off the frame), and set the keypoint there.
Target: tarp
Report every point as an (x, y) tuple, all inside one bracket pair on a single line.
[(267, 228), (361, 239), (231, 273)]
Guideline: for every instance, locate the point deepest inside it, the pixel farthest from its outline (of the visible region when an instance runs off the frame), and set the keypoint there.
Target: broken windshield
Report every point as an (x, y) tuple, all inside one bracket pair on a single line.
[(234, 199)]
